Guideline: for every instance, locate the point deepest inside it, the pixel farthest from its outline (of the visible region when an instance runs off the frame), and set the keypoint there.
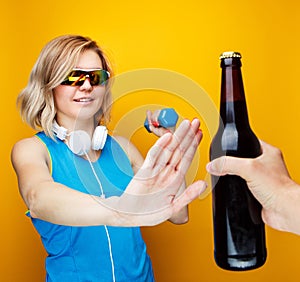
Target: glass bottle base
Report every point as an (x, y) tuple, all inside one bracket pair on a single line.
[(240, 263)]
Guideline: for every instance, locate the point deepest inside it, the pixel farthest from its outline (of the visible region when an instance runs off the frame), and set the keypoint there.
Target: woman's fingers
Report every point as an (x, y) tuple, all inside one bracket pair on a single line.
[(154, 124), (188, 156), (156, 150), (183, 138), (191, 139), (191, 193), (179, 143), (175, 151), (162, 151)]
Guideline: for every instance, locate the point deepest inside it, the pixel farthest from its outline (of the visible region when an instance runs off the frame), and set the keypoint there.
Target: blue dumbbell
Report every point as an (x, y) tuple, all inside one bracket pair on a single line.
[(167, 118)]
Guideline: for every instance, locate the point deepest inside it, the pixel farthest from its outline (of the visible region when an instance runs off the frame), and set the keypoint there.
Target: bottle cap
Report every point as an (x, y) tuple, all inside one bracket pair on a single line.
[(230, 54)]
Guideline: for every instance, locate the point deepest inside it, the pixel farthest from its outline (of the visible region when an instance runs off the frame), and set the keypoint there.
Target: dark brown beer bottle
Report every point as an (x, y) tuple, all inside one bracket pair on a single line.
[(239, 234)]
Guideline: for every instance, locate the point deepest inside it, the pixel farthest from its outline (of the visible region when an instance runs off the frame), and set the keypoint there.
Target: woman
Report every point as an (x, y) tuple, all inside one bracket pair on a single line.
[(87, 200)]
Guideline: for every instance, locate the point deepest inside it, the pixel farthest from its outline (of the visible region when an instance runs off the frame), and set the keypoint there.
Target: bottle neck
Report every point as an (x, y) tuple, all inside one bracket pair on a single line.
[(233, 108)]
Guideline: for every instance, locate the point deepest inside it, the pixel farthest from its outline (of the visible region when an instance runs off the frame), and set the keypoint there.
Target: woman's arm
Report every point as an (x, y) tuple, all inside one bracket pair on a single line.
[(49, 200), (59, 204)]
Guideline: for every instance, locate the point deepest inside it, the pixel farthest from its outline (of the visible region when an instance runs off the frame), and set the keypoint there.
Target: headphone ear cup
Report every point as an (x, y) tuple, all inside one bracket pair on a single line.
[(99, 137), (79, 142), (59, 131)]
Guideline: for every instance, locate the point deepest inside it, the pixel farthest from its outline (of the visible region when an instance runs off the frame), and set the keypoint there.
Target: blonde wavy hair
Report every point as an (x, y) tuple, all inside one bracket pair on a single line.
[(55, 61)]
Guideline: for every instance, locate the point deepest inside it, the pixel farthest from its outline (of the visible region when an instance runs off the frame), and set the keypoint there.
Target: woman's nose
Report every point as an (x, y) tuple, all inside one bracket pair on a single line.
[(86, 86)]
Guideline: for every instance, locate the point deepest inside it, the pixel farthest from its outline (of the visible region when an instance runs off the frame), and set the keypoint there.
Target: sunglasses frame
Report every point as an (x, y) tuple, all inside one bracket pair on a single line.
[(84, 74)]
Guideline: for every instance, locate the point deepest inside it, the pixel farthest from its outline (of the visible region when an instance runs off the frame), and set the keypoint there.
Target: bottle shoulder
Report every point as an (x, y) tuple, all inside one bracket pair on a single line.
[(233, 141)]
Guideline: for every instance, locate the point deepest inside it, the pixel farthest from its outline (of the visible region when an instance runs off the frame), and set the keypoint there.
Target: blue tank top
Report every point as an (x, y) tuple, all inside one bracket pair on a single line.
[(81, 254)]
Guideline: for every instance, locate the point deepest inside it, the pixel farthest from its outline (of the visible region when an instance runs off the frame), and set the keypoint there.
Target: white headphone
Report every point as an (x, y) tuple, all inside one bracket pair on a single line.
[(79, 140)]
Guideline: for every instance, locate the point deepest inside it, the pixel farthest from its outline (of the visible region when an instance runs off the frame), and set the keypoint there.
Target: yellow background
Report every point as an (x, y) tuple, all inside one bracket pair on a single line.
[(185, 37)]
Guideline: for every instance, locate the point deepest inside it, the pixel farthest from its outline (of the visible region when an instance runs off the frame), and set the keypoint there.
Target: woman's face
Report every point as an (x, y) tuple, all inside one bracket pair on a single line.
[(80, 102)]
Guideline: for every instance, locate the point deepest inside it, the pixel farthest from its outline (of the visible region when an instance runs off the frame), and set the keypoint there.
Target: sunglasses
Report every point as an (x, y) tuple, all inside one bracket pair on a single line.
[(77, 77)]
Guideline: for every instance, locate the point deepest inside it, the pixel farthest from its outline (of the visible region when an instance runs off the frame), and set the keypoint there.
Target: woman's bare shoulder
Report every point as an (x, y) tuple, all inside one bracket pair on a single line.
[(28, 149)]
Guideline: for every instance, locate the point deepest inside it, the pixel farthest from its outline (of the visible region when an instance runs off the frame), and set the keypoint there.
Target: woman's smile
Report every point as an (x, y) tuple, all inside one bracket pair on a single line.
[(84, 100)]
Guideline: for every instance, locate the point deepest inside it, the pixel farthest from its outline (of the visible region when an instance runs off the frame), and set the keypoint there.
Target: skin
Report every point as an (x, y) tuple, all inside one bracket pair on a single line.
[(269, 181), (154, 195)]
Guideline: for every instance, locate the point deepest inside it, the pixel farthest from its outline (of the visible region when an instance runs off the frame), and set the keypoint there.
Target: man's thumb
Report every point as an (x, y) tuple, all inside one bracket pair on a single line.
[(226, 165)]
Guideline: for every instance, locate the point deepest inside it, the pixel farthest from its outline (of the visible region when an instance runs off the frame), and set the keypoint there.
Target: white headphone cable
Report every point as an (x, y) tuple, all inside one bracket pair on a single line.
[(106, 229), (98, 180)]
